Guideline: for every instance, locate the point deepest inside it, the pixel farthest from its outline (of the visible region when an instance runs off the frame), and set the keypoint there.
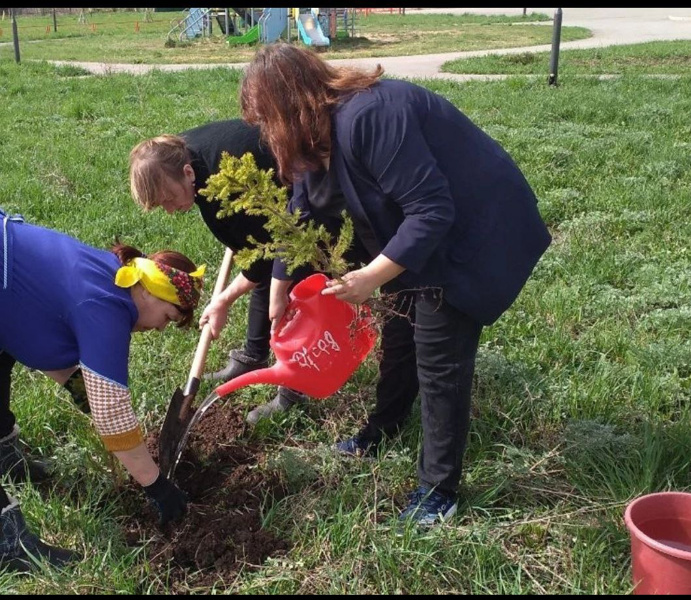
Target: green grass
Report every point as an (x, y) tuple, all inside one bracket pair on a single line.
[(96, 25), (115, 40), (663, 58), (583, 387)]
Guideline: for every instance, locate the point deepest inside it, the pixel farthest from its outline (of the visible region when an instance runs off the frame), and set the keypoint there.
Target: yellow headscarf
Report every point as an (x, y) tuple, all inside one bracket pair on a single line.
[(163, 281)]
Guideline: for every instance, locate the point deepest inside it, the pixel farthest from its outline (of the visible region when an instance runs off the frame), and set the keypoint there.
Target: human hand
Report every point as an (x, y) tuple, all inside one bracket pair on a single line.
[(216, 315), (277, 309), (278, 301), (170, 500), (354, 287)]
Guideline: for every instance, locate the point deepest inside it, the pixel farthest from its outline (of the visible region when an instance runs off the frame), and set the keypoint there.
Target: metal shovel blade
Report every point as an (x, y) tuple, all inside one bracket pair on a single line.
[(189, 423), (175, 425)]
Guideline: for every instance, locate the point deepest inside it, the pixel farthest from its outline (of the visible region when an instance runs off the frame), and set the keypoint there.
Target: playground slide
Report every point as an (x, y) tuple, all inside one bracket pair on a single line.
[(250, 37), (310, 31)]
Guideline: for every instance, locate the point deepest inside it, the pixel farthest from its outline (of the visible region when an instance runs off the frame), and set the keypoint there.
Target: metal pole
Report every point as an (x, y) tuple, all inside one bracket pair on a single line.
[(15, 35), (290, 17), (227, 18), (524, 11), (55, 22), (554, 56)]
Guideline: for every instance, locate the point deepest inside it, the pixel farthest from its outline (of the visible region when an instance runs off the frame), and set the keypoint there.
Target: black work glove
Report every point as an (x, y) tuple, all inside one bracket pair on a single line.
[(168, 498)]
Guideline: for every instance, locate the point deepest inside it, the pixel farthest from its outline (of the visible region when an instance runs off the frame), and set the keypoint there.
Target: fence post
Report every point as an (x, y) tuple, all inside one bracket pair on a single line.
[(554, 56), (15, 35), (55, 22)]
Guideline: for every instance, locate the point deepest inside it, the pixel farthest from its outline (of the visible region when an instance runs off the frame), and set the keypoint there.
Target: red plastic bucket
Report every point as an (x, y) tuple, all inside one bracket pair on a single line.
[(660, 529)]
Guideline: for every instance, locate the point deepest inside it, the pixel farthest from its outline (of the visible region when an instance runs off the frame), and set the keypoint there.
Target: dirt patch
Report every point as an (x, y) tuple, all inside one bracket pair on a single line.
[(222, 532)]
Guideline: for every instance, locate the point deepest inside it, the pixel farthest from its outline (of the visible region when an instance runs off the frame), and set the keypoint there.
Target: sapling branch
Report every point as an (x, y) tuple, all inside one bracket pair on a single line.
[(240, 185)]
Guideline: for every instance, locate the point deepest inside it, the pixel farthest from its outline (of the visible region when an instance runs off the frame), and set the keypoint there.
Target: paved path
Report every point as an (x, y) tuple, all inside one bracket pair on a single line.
[(609, 26)]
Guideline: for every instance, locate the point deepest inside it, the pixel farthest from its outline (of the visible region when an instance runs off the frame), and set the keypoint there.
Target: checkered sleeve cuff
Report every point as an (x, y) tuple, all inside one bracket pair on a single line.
[(111, 408)]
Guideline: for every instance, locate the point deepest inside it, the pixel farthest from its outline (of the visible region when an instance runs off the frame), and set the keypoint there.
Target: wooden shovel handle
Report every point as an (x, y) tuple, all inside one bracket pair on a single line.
[(205, 338)]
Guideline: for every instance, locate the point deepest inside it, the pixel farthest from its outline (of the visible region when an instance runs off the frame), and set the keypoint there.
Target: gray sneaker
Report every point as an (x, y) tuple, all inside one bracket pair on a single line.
[(284, 400)]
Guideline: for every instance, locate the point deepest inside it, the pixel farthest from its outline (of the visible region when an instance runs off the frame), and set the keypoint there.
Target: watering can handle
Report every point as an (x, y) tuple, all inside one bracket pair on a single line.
[(309, 287), (205, 338)]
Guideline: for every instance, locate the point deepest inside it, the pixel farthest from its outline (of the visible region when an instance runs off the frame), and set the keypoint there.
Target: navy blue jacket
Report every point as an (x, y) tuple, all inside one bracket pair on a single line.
[(431, 191)]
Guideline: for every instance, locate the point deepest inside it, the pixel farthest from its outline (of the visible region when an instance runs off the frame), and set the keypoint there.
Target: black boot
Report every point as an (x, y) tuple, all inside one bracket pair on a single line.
[(238, 364), (19, 467), (284, 400), (20, 549)]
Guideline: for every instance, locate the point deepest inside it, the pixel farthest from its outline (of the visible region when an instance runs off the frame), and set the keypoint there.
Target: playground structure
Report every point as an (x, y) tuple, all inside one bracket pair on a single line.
[(310, 27), (313, 26)]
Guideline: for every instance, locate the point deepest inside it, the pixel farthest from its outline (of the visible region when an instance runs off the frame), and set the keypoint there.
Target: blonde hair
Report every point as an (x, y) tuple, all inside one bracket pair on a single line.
[(151, 161)]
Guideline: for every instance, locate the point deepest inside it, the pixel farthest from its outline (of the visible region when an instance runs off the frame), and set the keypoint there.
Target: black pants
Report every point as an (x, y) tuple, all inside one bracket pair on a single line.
[(4, 500), (7, 419), (446, 343), (398, 386), (258, 323)]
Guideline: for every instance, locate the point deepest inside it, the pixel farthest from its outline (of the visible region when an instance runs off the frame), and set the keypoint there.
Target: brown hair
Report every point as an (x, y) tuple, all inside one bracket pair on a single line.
[(151, 161), (168, 257), (290, 93)]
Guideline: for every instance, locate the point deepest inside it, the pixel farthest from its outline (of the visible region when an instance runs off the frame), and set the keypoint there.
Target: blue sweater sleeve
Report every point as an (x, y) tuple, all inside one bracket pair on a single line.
[(390, 145), (103, 329)]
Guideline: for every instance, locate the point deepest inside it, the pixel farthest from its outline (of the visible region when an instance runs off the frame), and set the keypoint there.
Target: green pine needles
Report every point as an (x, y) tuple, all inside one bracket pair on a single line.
[(242, 186)]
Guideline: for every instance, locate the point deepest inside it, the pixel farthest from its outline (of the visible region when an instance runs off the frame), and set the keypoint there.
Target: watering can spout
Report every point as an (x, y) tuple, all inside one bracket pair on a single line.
[(273, 376)]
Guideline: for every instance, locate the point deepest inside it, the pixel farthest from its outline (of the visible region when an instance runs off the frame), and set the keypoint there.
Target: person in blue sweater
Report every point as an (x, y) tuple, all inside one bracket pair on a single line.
[(68, 307), (439, 204)]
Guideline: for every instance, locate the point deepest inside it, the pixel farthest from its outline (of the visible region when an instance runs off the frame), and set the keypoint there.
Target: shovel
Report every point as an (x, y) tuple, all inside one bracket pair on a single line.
[(178, 417)]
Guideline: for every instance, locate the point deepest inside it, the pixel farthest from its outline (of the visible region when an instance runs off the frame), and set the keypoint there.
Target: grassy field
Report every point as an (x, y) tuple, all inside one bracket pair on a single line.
[(113, 38), (662, 58), (583, 388)]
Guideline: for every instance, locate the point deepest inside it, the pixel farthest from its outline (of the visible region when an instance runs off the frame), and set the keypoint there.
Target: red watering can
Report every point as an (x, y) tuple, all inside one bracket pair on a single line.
[(316, 350), (319, 348)]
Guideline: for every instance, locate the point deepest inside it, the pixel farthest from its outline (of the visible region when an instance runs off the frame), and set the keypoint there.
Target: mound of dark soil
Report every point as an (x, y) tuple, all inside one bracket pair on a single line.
[(222, 531)]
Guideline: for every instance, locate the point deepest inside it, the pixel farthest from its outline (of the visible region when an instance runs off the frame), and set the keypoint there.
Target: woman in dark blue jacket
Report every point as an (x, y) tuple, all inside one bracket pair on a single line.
[(441, 207)]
